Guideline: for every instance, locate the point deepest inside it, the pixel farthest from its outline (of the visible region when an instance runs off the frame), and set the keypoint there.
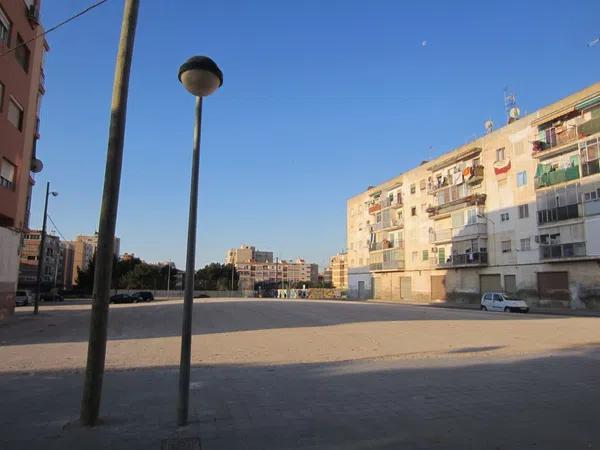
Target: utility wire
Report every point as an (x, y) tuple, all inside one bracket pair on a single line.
[(81, 13), (61, 235)]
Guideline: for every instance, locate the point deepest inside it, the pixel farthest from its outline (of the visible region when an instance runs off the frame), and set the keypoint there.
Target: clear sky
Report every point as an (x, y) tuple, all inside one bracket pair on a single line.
[(321, 98)]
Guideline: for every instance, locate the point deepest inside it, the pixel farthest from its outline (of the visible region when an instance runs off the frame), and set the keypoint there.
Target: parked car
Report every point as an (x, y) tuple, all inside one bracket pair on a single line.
[(50, 297), (123, 298), (501, 301), (23, 298), (144, 296)]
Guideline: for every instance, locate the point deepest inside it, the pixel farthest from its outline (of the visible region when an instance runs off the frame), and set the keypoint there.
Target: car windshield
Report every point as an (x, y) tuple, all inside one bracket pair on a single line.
[(510, 297), (20, 293)]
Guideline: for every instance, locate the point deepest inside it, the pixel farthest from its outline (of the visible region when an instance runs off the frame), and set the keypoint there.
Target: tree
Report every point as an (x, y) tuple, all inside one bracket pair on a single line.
[(217, 277), (85, 278), (142, 276)]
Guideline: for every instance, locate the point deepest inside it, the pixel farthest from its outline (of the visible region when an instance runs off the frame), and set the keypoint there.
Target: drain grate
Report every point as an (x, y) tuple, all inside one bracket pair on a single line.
[(181, 444)]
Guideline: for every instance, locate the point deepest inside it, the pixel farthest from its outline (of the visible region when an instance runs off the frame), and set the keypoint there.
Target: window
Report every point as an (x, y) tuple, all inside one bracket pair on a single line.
[(441, 255), (522, 178), (422, 185), (525, 244), (523, 211), (1, 96), (500, 154), (425, 255), (413, 211), (413, 188), (31, 258), (590, 196), (4, 30), (505, 246), (7, 174), (22, 53), (471, 216), (415, 255), (458, 219), (504, 217), (15, 113)]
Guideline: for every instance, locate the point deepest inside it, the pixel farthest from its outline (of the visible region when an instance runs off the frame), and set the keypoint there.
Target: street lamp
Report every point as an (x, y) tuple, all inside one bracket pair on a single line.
[(38, 280), (201, 76)]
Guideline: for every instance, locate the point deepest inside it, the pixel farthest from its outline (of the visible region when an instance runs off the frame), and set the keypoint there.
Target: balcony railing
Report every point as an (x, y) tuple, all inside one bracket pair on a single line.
[(395, 202), (560, 213), (557, 176), (555, 137), (385, 245), (387, 265), (558, 251), (465, 259), (440, 235), (5, 183), (590, 167), (392, 223)]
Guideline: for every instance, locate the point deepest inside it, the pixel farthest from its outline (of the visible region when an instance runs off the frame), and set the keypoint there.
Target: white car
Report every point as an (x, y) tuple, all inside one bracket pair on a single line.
[(500, 301), (23, 298)]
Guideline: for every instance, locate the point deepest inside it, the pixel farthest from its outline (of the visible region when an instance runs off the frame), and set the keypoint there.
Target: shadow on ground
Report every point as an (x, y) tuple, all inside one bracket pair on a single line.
[(152, 320), (548, 403)]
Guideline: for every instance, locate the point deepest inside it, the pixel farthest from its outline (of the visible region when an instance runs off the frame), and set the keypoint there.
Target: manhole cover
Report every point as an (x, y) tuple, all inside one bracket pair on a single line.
[(181, 444)]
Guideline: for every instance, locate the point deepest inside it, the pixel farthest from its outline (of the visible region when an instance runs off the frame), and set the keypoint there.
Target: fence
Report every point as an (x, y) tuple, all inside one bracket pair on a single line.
[(179, 294)]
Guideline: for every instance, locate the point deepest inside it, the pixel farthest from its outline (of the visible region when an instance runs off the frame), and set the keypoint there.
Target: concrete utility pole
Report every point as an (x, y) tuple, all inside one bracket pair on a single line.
[(94, 372), (38, 281)]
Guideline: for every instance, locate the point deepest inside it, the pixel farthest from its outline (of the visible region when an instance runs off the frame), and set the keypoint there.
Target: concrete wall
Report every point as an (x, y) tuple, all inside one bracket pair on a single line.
[(179, 294), (357, 275), (9, 270)]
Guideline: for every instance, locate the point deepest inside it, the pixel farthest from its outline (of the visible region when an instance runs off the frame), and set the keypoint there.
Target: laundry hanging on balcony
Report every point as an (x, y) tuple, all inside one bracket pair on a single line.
[(501, 167)]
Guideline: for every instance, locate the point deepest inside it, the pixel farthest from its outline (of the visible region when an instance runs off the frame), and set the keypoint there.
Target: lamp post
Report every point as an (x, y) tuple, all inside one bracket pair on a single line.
[(201, 76), (38, 280)]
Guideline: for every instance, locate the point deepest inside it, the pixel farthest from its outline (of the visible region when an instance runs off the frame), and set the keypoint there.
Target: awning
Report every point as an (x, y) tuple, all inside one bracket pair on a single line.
[(454, 159), (585, 104), (553, 115)]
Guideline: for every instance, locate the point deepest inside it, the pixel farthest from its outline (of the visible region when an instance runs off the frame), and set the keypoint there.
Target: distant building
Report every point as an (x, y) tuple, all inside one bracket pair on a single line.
[(327, 276), (30, 259), (65, 271), (339, 271), (255, 266), (83, 248), (21, 91)]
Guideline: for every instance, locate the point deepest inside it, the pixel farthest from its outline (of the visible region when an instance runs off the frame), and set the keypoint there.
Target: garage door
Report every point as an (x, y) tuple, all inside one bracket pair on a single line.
[(553, 285), (490, 283), (438, 287), (406, 288), (376, 288)]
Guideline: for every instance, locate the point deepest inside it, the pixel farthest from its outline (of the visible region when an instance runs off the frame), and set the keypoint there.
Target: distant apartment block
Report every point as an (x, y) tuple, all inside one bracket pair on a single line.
[(516, 210), (21, 91), (339, 271), (256, 266), (83, 249), (52, 266)]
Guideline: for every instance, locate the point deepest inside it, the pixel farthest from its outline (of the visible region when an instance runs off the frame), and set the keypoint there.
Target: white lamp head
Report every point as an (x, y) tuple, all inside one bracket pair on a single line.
[(200, 75)]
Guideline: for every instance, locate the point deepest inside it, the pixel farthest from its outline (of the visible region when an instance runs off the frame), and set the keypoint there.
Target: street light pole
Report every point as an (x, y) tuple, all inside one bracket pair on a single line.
[(41, 255), (94, 371), (201, 76)]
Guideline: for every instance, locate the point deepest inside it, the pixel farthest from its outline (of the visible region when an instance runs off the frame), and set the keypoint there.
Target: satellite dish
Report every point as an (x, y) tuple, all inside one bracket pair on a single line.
[(36, 165), (489, 126), (514, 112)]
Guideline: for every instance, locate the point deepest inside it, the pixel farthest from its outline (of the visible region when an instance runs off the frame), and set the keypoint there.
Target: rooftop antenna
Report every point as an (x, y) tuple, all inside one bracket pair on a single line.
[(489, 126), (510, 106)]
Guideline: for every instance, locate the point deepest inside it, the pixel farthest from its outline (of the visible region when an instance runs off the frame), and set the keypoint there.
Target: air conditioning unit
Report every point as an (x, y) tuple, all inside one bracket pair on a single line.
[(434, 249)]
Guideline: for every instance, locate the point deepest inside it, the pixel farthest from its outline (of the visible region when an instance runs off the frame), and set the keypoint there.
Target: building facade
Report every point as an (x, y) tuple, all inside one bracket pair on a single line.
[(52, 263), (21, 91), (339, 271), (257, 266), (517, 210), (81, 251)]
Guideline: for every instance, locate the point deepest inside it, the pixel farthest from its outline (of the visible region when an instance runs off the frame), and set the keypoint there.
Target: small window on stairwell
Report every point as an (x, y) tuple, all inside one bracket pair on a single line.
[(413, 211), (500, 155)]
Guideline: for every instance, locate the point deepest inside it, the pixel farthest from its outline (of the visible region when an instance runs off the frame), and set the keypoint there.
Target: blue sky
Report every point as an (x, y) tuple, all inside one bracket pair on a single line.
[(320, 99)]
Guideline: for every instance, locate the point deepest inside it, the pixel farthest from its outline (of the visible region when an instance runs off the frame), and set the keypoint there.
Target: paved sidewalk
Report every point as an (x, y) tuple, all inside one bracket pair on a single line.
[(307, 375)]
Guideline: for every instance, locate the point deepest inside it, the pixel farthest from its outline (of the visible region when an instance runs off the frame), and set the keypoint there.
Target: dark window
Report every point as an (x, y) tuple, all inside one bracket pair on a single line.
[(413, 211), (22, 53), (523, 211)]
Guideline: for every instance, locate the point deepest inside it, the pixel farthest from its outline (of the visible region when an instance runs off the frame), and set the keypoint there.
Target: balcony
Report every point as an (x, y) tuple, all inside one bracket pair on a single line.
[(5, 183), (387, 265), (392, 224), (454, 198), (560, 213), (466, 260), (437, 236), (476, 175), (388, 202), (556, 177), (385, 245), (555, 137), (561, 251), (374, 208), (590, 167)]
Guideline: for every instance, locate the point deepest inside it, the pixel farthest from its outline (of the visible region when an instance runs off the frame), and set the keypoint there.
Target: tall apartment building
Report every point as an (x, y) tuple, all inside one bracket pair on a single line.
[(21, 91), (517, 209), (339, 270), (83, 248), (256, 266), (52, 264)]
